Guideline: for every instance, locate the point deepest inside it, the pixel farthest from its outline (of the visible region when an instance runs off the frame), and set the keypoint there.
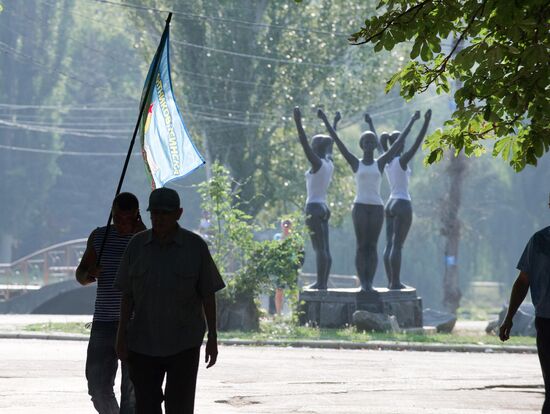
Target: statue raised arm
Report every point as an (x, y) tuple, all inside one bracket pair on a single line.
[(407, 156), (337, 118), (350, 158), (398, 207), (379, 146), (318, 178), (313, 153)]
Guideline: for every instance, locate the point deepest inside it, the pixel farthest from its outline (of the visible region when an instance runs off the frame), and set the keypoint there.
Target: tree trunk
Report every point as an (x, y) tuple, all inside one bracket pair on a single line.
[(451, 231)]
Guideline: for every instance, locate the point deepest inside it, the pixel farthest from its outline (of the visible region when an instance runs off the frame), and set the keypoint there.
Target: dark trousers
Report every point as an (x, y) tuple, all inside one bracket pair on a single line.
[(543, 348), (101, 367), (148, 372)]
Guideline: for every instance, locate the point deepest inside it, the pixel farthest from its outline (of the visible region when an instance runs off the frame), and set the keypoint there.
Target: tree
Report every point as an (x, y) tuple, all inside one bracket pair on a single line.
[(30, 71), (239, 71), (101, 108), (70, 74), (503, 67)]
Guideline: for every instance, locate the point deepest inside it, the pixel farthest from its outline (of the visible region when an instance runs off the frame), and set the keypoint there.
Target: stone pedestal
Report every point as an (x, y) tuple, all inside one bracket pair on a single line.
[(333, 308)]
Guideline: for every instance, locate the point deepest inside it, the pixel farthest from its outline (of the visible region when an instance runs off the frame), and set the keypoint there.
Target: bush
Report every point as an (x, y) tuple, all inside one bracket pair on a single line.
[(250, 267)]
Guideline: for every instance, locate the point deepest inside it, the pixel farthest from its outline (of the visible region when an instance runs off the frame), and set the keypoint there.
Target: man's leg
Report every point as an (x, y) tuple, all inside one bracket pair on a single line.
[(543, 348), (127, 396), (147, 374), (181, 380), (101, 366)]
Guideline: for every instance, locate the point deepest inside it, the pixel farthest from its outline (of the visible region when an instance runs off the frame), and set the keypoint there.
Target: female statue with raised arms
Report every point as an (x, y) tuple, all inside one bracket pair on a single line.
[(368, 207), (398, 207), (318, 178)]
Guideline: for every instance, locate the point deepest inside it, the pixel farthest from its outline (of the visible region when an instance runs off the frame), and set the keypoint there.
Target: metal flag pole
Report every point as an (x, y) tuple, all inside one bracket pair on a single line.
[(153, 69)]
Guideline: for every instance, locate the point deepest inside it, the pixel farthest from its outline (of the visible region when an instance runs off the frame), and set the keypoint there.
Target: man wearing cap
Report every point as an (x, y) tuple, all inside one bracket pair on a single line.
[(168, 280)]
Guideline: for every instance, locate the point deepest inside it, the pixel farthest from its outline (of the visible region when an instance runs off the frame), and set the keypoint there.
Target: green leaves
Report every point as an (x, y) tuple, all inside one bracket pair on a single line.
[(415, 51), (435, 156), (501, 74), (252, 263), (505, 147)]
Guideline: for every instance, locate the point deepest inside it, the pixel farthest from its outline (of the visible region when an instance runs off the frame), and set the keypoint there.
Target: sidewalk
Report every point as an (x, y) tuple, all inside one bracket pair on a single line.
[(48, 376), (12, 327)]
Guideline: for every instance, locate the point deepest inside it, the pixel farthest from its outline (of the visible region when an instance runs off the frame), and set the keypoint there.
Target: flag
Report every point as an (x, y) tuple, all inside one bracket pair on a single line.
[(166, 146)]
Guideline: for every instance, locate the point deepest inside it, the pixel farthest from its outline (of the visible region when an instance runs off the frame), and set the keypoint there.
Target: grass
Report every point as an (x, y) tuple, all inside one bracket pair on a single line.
[(59, 327), (280, 329), (283, 329)]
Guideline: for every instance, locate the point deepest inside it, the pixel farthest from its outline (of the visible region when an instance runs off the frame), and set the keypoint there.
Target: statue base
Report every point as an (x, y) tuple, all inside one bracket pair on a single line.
[(334, 308)]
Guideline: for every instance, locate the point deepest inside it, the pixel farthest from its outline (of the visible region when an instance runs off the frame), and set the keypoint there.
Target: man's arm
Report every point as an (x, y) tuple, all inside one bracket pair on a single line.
[(87, 271), (126, 308), (519, 291), (211, 353), (122, 283)]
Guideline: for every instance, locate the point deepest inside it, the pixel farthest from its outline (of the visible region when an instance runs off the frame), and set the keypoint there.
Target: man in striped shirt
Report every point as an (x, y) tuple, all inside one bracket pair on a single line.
[(101, 361)]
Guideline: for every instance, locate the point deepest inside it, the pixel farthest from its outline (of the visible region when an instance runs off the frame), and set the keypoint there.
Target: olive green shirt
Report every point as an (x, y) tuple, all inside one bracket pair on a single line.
[(166, 282)]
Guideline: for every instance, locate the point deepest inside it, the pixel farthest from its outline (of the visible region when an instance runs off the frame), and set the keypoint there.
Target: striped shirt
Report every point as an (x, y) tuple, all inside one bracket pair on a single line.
[(107, 302)]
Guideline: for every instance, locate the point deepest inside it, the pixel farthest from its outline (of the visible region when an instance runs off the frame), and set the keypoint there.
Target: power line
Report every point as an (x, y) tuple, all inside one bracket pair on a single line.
[(66, 107), (235, 124), (221, 19), (257, 57), (232, 53), (68, 36), (60, 152), (123, 133), (230, 80), (57, 130), (87, 108), (220, 51), (90, 126), (219, 78), (10, 50)]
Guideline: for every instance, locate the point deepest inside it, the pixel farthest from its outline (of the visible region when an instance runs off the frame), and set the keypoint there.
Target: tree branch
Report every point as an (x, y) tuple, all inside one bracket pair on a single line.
[(443, 65), (391, 22), (496, 125)]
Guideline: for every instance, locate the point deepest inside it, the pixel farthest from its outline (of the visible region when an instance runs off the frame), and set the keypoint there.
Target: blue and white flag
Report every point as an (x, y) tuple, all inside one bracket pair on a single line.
[(166, 145)]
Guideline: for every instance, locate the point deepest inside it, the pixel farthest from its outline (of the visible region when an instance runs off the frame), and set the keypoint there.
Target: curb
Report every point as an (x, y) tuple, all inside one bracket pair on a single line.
[(386, 346), (53, 337), (321, 344)]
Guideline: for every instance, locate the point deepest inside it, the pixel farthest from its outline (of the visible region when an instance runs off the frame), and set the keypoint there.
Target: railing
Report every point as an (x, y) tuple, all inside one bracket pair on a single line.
[(50, 265), (58, 263)]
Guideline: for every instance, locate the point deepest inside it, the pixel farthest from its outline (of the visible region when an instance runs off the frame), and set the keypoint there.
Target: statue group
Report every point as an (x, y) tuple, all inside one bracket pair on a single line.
[(368, 207)]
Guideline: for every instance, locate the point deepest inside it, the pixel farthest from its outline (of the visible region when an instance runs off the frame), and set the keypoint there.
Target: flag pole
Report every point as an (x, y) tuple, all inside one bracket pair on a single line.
[(153, 70)]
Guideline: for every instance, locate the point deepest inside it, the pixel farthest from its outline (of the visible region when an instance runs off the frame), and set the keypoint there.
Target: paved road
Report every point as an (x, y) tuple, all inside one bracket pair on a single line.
[(38, 376)]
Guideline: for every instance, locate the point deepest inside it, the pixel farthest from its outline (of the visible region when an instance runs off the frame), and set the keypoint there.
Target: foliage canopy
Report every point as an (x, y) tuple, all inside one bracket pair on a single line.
[(499, 56)]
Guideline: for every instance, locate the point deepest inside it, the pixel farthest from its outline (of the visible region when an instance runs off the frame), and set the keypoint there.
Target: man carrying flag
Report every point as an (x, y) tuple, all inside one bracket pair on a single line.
[(167, 276)]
